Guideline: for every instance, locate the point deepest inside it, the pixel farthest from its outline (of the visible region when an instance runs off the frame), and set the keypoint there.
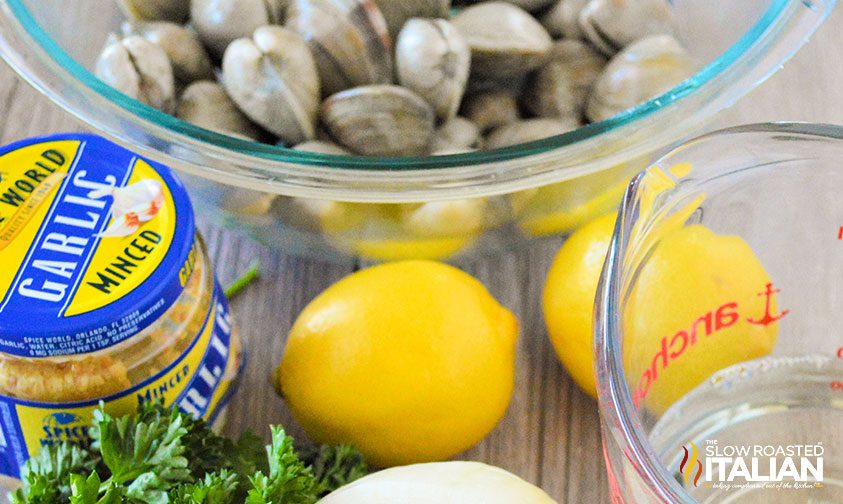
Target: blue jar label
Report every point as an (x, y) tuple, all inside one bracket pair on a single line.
[(199, 382), (94, 241)]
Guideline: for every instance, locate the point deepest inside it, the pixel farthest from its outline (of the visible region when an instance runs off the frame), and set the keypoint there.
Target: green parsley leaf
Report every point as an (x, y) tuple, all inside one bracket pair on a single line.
[(335, 466), (85, 491), (38, 490), (164, 456), (289, 480), (250, 454), (205, 451), (48, 472), (131, 447), (113, 495), (216, 488)]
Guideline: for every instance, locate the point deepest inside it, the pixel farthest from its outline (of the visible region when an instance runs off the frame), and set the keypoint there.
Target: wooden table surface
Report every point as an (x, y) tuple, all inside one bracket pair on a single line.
[(551, 434)]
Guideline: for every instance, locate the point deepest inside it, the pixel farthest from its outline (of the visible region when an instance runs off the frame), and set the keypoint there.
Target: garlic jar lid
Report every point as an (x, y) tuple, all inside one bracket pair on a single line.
[(96, 243)]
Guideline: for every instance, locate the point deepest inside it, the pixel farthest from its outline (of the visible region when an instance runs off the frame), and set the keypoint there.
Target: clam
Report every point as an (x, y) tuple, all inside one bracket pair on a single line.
[(349, 39), (322, 147), (221, 22), (611, 25), (457, 134), (531, 5), (307, 213), (207, 105), (561, 86), (505, 40), (448, 218), (398, 12), (562, 20), (433, 60), (140, 69), (452, 151), (644, 70), (272, 77), (176, 11), (255, 205), (491, 109), (188, 56), (528, 131), (380, 120)]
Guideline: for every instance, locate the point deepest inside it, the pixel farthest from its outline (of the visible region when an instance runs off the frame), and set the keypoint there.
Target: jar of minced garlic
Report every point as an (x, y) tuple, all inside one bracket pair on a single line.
[(106, 294)]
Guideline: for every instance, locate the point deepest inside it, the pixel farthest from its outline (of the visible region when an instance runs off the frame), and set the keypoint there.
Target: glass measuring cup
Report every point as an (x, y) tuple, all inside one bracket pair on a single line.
[(720, 322)]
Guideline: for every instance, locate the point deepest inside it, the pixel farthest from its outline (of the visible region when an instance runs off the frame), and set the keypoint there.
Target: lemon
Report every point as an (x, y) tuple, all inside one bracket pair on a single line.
[(392, 232), (688, 315), (409, 248), (550, 211), (699, 304), (568, 299), (409, 362)]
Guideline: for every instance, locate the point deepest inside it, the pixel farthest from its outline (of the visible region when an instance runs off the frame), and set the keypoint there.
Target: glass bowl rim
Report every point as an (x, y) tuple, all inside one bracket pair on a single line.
[(615, 400), (273, 153)]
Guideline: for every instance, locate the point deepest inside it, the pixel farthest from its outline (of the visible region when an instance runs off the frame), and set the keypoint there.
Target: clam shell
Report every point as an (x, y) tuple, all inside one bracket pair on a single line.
[(140, 69), (529, 131), (190, 60), (349, 40), (562, 20), (176, 11), (433, 59), (505, 40), (254, 205), (611, 25), (531, 5), (560, 87), (221, 22), (398, 12), (457, 134), (452, 151), (322, 147), (207, 105), (491, 109), (380, 120), (644, 70), (273, 79), (448, 218)]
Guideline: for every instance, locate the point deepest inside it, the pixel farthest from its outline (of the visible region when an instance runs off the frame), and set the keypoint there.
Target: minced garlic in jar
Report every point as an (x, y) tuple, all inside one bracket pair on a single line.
[(106, 294)]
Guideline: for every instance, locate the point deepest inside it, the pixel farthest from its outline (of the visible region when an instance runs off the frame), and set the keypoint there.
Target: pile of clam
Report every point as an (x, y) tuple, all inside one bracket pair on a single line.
[(394, 77)]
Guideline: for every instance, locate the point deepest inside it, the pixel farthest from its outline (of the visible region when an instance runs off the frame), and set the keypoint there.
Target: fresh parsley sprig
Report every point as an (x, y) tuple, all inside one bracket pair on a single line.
[(164, 456)]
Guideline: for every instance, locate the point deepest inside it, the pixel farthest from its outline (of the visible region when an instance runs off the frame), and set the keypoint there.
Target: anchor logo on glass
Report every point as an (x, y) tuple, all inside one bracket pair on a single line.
[(768, 317), (729, 314)]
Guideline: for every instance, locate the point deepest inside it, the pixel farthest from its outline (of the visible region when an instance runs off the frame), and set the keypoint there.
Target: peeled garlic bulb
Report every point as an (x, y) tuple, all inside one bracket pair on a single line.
[(440, 483)]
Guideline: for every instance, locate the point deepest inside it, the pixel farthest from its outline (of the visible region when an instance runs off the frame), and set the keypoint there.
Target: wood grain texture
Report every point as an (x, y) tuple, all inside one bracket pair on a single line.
[(550, 436)]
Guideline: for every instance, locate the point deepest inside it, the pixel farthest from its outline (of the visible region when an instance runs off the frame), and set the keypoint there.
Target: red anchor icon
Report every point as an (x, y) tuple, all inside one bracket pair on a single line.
[(768, 318)]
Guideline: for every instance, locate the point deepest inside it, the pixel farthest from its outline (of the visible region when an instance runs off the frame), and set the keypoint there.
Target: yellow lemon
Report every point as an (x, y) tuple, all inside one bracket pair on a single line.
[(550, 210), (408, 248), (392, 232), (701, 302), (568, 299), (409, 362)]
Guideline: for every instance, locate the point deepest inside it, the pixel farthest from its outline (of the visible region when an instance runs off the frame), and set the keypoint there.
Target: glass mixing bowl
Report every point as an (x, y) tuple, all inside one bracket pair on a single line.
[(389, 208)]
